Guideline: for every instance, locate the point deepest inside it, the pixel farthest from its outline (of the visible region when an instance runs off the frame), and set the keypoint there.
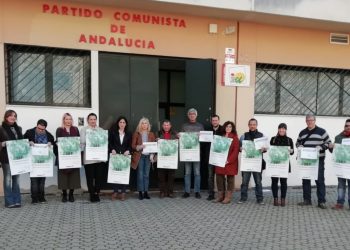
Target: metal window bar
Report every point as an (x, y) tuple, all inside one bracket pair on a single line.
[(26, 66), (298, 90)]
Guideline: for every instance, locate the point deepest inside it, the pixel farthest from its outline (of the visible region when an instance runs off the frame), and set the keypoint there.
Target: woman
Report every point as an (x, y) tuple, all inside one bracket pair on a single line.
[(231, 167), (9, 130), (119, 142), (67, 178), (140, 160), (93, 169), (281, 140)]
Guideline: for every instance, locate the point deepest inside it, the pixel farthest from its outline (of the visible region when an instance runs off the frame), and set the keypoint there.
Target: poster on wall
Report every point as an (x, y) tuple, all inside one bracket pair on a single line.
[(277, 161), (168, 151), (119, 169), (237, 75), (251, 159), (230, 55), (20, 156)]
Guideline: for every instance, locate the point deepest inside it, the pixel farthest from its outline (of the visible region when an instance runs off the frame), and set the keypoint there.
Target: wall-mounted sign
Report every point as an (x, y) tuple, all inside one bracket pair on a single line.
[(237, 75), (230, 55)]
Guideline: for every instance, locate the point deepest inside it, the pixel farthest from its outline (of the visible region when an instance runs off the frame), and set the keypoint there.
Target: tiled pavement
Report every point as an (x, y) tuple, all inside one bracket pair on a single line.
[(174, 224)]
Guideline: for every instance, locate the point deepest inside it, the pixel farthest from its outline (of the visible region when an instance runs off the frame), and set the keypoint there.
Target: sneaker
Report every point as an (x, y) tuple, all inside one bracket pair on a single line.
[(305, 203), (198, 195), (322, 205), (18, 205), (42, 200), (11, 206), (241, 202), (185, 195), (210, 197), (338, 206), (260, 202)]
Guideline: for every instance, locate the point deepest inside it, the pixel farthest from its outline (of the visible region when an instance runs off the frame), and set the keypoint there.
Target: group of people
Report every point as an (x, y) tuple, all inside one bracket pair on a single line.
[(122, 141)]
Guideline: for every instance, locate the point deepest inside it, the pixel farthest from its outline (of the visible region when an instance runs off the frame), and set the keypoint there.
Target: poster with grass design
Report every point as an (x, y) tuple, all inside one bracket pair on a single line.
[(277, 161), (251, 158), (307, 168), (219, 151), (189, 146), (20, 156), (96, 148), (341, 160), (42, 164), (119, 169), (168, 151), (69, 155)]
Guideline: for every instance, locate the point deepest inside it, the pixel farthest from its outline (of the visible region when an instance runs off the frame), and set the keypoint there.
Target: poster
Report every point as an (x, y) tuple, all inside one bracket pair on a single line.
[(251, 159), (96, 148), (119, 169), (307, 168), (341, 160), (69, 155), (189, 147), (150, 147), (168, 151), (308, 153), (237, 75), (19, 154), (219, 151), (277, 161), (262, 142), (42, 165), (206, 136)]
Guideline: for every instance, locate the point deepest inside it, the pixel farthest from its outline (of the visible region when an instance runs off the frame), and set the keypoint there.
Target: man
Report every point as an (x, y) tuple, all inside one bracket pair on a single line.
[(314, 137), (252, 134), (217, 130), (38, 135), (341, 181), (192, 126), (166, 176)]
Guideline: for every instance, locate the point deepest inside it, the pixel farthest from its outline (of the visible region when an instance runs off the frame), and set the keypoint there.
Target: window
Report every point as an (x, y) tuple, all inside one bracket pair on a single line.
[(295, 90), (47, 76)]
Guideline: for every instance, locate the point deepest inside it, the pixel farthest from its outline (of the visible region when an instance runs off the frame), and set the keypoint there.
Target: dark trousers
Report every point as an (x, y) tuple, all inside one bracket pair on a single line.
[(211, 174), (37, 186), (94, 176), (166, 180), (274, 187), (320, 185), (119, 188)]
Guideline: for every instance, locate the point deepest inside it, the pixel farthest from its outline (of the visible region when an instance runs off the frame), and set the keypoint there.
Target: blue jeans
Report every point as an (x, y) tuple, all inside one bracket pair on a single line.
[(143, 173), (12, 192), (321, 187), (197, 176), (342, 190), (258, 186)]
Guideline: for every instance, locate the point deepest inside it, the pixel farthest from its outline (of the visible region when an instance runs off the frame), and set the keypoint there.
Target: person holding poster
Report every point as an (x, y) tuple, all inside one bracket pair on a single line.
[(67, 178), (140, 160), (93, 168), (39, 135), (314, 137), (342, 181), (252, 134), (9, 130), (166, 176), (192, 126), (281, 139), (231, 167), (119, 142), (217, 129)]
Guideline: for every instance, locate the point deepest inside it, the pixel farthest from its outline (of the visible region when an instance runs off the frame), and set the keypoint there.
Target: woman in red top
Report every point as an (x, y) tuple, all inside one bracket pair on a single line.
[(231, 167)]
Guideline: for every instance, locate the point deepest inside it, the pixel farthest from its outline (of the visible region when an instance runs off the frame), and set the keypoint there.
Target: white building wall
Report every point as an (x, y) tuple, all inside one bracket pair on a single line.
[(29, 115), (268, 124)]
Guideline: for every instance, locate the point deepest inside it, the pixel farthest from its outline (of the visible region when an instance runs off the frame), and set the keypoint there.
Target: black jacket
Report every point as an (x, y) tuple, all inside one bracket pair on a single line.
[(30, 135)]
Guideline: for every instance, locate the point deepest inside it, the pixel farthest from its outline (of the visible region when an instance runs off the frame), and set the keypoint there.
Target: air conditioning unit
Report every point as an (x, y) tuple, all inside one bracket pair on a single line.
[(336, 38)]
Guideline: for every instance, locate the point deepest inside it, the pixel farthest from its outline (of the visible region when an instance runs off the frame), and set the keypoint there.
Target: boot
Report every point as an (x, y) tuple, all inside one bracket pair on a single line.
[(220, 197), (228, 197), (97, 197), (92, 197), (283, 202), (64, 196), (140, 196), (70, 196), (275, 202), (114, 196), (122, 196), (146, 196)]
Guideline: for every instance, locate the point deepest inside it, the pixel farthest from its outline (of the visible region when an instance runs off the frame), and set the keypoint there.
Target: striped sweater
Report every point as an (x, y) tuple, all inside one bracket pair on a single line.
[(318, 137)]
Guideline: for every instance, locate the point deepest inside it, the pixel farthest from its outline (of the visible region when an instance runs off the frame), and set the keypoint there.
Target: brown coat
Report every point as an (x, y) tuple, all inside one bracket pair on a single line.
[(137, 140)]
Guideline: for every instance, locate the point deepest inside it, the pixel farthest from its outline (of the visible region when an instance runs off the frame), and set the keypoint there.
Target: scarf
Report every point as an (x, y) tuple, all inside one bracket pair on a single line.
[(9, 132), (346, 133)]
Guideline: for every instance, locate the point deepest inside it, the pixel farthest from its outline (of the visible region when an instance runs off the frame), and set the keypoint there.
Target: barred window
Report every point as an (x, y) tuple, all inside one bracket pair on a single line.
[(47, 76), (295, 90)]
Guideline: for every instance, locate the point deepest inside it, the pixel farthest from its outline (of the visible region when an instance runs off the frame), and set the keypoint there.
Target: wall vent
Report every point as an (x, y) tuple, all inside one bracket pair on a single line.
[(336, 38)]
